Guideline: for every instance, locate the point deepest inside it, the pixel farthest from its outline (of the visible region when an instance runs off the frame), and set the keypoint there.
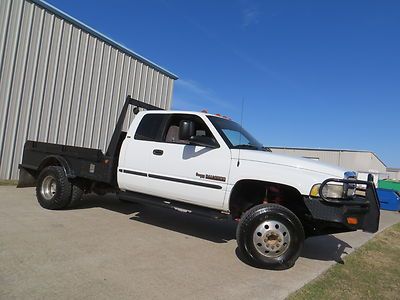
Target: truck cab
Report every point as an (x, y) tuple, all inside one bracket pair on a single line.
[(193, 168)]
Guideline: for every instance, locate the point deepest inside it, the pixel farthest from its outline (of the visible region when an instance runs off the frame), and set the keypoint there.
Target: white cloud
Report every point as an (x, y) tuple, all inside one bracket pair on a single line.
[(250, 15), (192, 94)]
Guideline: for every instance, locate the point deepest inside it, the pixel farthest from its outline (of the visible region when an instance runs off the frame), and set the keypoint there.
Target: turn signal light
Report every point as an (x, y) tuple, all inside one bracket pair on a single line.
[(352, 220)]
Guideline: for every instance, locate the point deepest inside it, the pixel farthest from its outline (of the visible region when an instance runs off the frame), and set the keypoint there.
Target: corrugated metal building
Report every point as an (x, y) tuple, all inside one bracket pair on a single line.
[(63, 82), (355, 160), (393, 173)]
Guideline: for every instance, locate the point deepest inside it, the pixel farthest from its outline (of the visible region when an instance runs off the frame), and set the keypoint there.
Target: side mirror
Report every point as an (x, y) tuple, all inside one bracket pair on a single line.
[(204, 141), (186, 129)]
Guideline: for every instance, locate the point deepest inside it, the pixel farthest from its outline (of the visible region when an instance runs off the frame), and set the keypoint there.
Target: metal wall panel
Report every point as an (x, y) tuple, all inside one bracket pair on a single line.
[(62, 82)]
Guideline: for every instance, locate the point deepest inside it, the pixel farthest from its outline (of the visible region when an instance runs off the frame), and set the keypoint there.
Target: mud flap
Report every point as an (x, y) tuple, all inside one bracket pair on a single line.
[(371, 219), (26, 179)]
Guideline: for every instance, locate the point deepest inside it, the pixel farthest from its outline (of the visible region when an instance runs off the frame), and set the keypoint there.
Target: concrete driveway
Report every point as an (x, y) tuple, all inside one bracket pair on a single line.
[(108, 249)]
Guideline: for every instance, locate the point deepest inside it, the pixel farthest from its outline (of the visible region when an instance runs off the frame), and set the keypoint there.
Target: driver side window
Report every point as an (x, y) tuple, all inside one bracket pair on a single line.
[(172, 132)]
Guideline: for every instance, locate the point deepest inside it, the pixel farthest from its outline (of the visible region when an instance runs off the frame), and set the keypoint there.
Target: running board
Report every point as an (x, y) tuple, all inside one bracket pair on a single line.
[(175, 205)]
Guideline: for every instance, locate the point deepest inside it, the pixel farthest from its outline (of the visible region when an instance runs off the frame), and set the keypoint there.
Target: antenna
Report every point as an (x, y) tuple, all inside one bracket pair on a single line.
[(240, 136)]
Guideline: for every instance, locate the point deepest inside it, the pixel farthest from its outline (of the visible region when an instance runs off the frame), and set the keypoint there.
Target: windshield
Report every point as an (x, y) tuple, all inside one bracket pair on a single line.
[(234, 135)]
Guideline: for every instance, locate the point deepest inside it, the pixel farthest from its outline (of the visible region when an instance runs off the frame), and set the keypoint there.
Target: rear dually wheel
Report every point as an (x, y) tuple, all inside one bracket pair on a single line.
[(53, 190)]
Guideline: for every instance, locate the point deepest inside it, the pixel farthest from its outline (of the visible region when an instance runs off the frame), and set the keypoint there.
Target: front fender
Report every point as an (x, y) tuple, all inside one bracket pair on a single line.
[(298, 178)]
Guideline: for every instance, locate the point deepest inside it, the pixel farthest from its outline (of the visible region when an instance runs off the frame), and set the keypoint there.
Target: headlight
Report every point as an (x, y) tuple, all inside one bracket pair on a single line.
[(329, 191), (335, 191)]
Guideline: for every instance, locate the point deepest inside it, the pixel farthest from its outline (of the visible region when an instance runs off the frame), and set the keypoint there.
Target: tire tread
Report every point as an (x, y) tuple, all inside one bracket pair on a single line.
[(246, 221), (62, 198)]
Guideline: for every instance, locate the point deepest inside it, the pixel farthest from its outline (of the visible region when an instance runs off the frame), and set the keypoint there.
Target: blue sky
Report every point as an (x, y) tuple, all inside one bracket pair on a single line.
[(322, 74)]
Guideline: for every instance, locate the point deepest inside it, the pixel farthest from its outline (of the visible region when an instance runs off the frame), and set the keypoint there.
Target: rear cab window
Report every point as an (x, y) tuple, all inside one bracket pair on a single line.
[(151, 127)]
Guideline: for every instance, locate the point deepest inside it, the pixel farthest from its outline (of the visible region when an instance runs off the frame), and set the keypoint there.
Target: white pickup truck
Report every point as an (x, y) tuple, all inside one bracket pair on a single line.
[(206, 164)]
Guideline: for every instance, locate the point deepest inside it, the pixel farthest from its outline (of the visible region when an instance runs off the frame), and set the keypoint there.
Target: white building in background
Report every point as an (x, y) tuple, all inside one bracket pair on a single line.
[(63, 82), (363, 162)]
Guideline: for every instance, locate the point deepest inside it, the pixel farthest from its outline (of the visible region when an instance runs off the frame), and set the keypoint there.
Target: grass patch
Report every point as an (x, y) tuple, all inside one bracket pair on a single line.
[(8, 182), (370, 272)]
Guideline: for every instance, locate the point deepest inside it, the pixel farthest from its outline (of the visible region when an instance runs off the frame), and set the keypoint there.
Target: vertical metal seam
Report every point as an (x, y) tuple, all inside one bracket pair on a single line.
[(117, 86), (156, 75), (125, 94), (133, 88), (172, 91), (8, 86), (112, 90), (63, 81), (151, 83), (96, 93), (35, 72), (145, 78), (5, 36), (162, 99), (19, 97), (56, 67), (166, 91), (78, 44), (79, 99), (104, 97), (119, 101), (159, 89), (148, 85), (169, 94), (139, 79), (44, 79), (89, 91)]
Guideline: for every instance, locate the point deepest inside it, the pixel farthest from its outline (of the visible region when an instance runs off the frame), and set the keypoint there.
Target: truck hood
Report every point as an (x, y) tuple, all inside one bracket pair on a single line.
[(289, 161)]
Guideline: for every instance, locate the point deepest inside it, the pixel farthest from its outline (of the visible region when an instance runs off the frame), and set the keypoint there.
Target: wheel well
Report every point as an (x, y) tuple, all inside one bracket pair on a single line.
[(54, 160), (47, 162), (248, 193)]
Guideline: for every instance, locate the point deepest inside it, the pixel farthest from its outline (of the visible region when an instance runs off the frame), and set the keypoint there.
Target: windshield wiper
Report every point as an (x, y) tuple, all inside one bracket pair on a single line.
[(247, 146), (266, 149)]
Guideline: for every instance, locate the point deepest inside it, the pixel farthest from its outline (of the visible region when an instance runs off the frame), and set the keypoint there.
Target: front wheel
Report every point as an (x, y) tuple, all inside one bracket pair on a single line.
[(270, 236), (53, 190)]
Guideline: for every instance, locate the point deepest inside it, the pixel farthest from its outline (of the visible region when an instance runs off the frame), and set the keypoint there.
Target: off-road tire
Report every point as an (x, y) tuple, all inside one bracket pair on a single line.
[(77, 191), (60, 196), (252, 219)]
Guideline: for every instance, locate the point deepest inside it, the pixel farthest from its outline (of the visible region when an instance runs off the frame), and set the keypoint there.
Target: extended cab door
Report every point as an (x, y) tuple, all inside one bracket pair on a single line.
[(144, 133), (189, 173)]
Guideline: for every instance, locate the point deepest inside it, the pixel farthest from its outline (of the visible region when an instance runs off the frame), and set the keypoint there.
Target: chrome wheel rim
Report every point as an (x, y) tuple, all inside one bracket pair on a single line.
[(49, 187), (271, 238)]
